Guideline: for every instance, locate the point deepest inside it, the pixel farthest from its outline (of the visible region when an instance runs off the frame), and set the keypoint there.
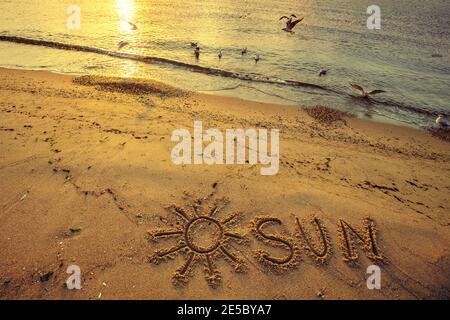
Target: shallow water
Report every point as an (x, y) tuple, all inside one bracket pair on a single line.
[(409, 57)]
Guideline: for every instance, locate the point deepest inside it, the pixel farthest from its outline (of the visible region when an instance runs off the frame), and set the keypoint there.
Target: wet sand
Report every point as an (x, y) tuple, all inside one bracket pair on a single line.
[(86, 179)]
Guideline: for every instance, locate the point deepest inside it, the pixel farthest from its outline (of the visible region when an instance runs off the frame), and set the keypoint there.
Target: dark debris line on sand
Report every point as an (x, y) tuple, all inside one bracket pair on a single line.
[(129, 86), (326, 115)]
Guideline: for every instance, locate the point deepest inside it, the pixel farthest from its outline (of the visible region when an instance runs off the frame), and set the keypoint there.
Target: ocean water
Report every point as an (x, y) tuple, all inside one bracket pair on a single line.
[(409, 57)]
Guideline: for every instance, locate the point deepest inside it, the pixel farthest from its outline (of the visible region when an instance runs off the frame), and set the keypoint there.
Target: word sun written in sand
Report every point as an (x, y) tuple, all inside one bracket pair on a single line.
[(234, 150), (203, 236)]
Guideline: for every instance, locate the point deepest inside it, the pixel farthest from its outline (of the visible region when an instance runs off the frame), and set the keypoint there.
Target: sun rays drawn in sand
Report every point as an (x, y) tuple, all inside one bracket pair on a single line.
[(203, 233), (202, 237)]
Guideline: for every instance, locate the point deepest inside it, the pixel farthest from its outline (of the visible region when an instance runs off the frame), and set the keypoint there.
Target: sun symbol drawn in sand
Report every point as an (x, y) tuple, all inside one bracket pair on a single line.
[(202, 238)]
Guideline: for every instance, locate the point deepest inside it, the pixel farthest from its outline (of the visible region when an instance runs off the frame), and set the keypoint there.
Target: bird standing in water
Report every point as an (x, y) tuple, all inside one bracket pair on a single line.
[(197, 52), (244, 51), (257, 58), (220, 55), (323, 72), (442, 122)]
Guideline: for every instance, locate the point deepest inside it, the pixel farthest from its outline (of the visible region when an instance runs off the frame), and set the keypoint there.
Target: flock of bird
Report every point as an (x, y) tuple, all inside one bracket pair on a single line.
[(291, 22), (197, 49)]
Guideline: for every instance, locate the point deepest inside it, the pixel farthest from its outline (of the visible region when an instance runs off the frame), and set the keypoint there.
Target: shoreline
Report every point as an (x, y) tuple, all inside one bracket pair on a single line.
[(379, 119), (87, 179), (270, 98)]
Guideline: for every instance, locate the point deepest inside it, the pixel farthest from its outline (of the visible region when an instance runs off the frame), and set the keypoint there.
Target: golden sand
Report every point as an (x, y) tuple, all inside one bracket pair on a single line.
[(86, 179)]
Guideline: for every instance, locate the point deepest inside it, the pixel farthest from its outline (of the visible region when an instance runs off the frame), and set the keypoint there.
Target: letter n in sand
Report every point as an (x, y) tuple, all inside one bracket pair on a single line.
[(367, 238)]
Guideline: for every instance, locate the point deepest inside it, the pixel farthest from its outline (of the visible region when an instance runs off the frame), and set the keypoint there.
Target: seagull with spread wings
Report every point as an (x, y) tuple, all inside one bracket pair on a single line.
[(133, 25), (289, 18), (364, 94), (290, 23)]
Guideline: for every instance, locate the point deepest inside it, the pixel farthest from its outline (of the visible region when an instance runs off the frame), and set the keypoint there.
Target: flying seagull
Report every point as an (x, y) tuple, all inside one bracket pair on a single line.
[(194, 44), (133, 25), (323, 72), (257, 58), (290, 23), (122, 44), (364, 94), (244, 51), (442, 122)]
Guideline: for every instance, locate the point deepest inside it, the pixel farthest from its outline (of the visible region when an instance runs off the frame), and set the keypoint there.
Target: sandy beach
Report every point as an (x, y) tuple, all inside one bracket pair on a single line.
[(86, 179)]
